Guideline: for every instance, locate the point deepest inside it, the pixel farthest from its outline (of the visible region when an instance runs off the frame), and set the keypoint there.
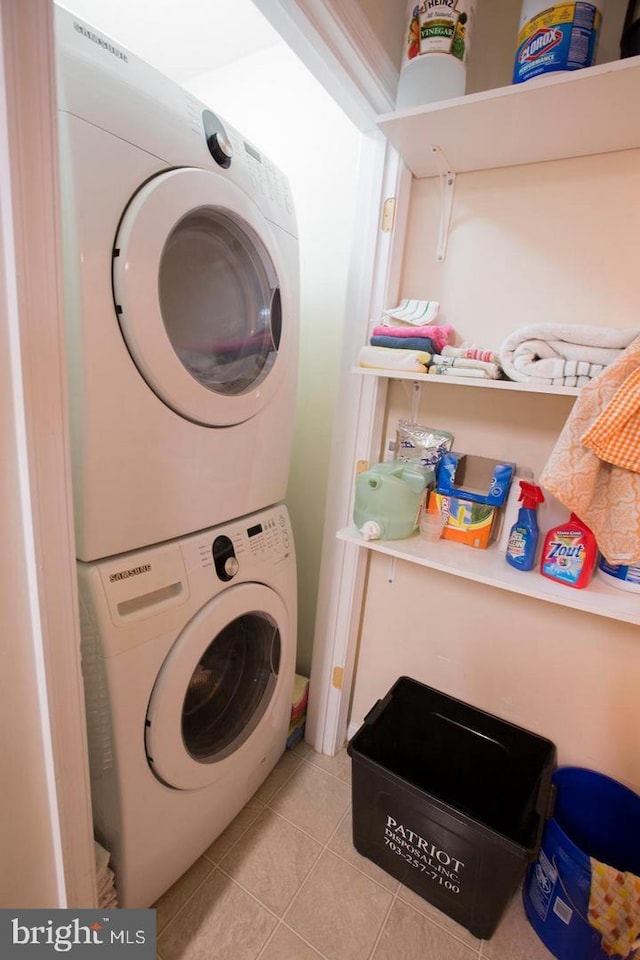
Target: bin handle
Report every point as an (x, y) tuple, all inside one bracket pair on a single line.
[(377, 709)]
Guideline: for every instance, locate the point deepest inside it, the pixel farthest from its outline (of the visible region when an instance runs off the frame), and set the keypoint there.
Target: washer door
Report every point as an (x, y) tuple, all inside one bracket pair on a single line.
[(200, 292), (218, 683)]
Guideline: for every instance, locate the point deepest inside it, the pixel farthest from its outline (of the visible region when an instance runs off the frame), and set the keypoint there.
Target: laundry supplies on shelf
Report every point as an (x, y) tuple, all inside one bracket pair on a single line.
[(523, 537), (465, 521), (479, 479), (556, 37), (299, 701), (388, 499), (569, 553), (625, 577), (420, 445), (436, 50)]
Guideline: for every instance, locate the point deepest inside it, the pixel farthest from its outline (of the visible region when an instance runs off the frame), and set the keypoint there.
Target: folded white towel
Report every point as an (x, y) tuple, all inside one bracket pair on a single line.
[(390, 358), (464, 372), (415, 312), (462, 363), (562, 354), (471, 352)]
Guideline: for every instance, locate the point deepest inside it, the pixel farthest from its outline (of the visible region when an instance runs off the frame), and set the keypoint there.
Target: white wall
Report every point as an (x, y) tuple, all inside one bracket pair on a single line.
[(278, 105), (552, 242)]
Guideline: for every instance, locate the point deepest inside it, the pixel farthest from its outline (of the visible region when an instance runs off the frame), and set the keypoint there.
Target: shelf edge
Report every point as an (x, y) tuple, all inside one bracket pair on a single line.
[(574, 599)]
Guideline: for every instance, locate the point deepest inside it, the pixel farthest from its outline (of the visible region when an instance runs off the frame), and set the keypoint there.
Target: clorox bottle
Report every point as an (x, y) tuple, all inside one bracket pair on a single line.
[(555, 37)]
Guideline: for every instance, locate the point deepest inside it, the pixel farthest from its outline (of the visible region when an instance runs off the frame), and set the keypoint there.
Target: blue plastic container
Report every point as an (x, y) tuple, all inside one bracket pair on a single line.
[(594, 816)]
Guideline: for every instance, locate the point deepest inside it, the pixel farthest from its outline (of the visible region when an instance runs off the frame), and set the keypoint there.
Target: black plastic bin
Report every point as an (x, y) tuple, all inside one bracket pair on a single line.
[(450, 800)]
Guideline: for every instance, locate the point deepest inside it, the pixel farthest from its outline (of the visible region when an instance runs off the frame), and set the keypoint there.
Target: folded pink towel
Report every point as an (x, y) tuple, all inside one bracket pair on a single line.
[(439, 335)]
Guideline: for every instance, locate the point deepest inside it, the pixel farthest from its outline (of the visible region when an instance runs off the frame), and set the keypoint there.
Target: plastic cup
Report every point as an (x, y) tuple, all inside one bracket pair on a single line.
[(431, 526)]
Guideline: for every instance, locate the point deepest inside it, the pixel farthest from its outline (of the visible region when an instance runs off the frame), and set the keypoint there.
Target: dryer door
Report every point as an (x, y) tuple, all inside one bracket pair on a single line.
[(202, 296), (226, 677)]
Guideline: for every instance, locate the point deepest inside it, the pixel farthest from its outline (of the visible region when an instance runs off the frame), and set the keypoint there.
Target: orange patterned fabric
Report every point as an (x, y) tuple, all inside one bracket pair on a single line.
[(614, 436), (606, 497), (614, 908)]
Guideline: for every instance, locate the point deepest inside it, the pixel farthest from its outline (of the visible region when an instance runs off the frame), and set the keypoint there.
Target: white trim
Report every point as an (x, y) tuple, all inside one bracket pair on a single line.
[(338, 45), (374, 276), (336, 42), (382, 74), (28, 51)]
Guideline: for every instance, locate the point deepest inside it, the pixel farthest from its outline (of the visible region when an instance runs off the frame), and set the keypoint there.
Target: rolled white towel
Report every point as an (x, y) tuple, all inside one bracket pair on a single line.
[(551, 352)]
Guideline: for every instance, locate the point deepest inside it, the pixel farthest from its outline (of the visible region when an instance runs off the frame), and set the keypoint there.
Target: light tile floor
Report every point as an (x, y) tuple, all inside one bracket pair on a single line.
[(284, 882)]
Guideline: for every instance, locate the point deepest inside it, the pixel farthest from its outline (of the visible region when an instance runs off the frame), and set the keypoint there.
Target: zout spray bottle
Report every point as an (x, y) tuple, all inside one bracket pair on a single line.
[(569, 553), (523, 538)]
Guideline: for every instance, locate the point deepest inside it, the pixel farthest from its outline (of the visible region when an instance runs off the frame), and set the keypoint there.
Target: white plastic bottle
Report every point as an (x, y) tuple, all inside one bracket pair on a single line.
[(436, 49), (556, 37)]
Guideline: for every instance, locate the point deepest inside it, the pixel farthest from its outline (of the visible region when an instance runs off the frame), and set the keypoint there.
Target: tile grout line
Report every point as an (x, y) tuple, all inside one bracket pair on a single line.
[(266, 806), (394, 899), (183, 905)]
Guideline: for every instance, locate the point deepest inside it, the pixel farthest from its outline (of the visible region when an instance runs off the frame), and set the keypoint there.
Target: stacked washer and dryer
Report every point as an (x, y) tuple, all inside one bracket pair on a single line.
[(181, 299)]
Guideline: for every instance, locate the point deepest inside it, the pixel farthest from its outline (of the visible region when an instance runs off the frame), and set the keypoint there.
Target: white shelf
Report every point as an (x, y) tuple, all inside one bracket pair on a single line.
[(550, 118), (468, 382), (490, 567)]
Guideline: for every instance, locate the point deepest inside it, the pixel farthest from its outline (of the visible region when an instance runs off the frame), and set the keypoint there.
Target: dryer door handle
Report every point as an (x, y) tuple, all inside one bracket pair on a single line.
[(275, 318)]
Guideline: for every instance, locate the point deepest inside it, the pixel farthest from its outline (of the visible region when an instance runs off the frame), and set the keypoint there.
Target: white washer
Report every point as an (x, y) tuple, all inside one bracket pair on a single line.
[(181, 297), (188, 652)]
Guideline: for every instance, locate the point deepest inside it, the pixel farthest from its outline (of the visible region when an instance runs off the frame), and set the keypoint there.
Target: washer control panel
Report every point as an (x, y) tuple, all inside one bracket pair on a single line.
[(241, 547)]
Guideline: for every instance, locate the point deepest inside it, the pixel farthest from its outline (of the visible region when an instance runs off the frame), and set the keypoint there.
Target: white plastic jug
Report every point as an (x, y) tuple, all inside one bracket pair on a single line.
[(436, 49), (556, 37)]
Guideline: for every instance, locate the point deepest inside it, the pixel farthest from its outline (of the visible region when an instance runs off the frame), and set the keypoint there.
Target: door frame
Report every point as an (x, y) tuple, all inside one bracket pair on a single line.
[(31, 244)]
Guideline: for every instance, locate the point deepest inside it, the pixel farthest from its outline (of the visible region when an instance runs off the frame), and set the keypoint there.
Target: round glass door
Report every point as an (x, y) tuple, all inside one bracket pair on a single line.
[(231, 687), (222, 687), (219, 302), (203, 298)]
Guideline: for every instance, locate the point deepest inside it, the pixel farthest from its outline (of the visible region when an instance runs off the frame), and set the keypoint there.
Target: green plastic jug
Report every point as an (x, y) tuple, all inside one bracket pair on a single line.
[(387, 500)]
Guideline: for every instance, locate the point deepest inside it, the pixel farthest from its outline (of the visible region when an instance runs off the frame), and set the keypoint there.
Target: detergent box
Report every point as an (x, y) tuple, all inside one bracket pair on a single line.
[(475, 524), (479, 479)]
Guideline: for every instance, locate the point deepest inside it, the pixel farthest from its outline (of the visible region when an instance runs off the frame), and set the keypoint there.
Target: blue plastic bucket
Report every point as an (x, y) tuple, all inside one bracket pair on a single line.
[(594, 816)]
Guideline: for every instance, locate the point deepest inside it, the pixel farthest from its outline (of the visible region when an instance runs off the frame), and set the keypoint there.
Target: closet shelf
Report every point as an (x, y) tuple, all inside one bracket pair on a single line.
[(573, 114), (468, 382), (490, 567)]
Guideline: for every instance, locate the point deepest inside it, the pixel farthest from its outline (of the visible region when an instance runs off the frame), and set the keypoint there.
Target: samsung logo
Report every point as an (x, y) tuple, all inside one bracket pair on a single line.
[(131, 572), (105, 44)]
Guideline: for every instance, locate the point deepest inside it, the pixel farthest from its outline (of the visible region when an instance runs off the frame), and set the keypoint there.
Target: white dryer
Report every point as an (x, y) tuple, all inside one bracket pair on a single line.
[(181, 298), (188, 652)]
